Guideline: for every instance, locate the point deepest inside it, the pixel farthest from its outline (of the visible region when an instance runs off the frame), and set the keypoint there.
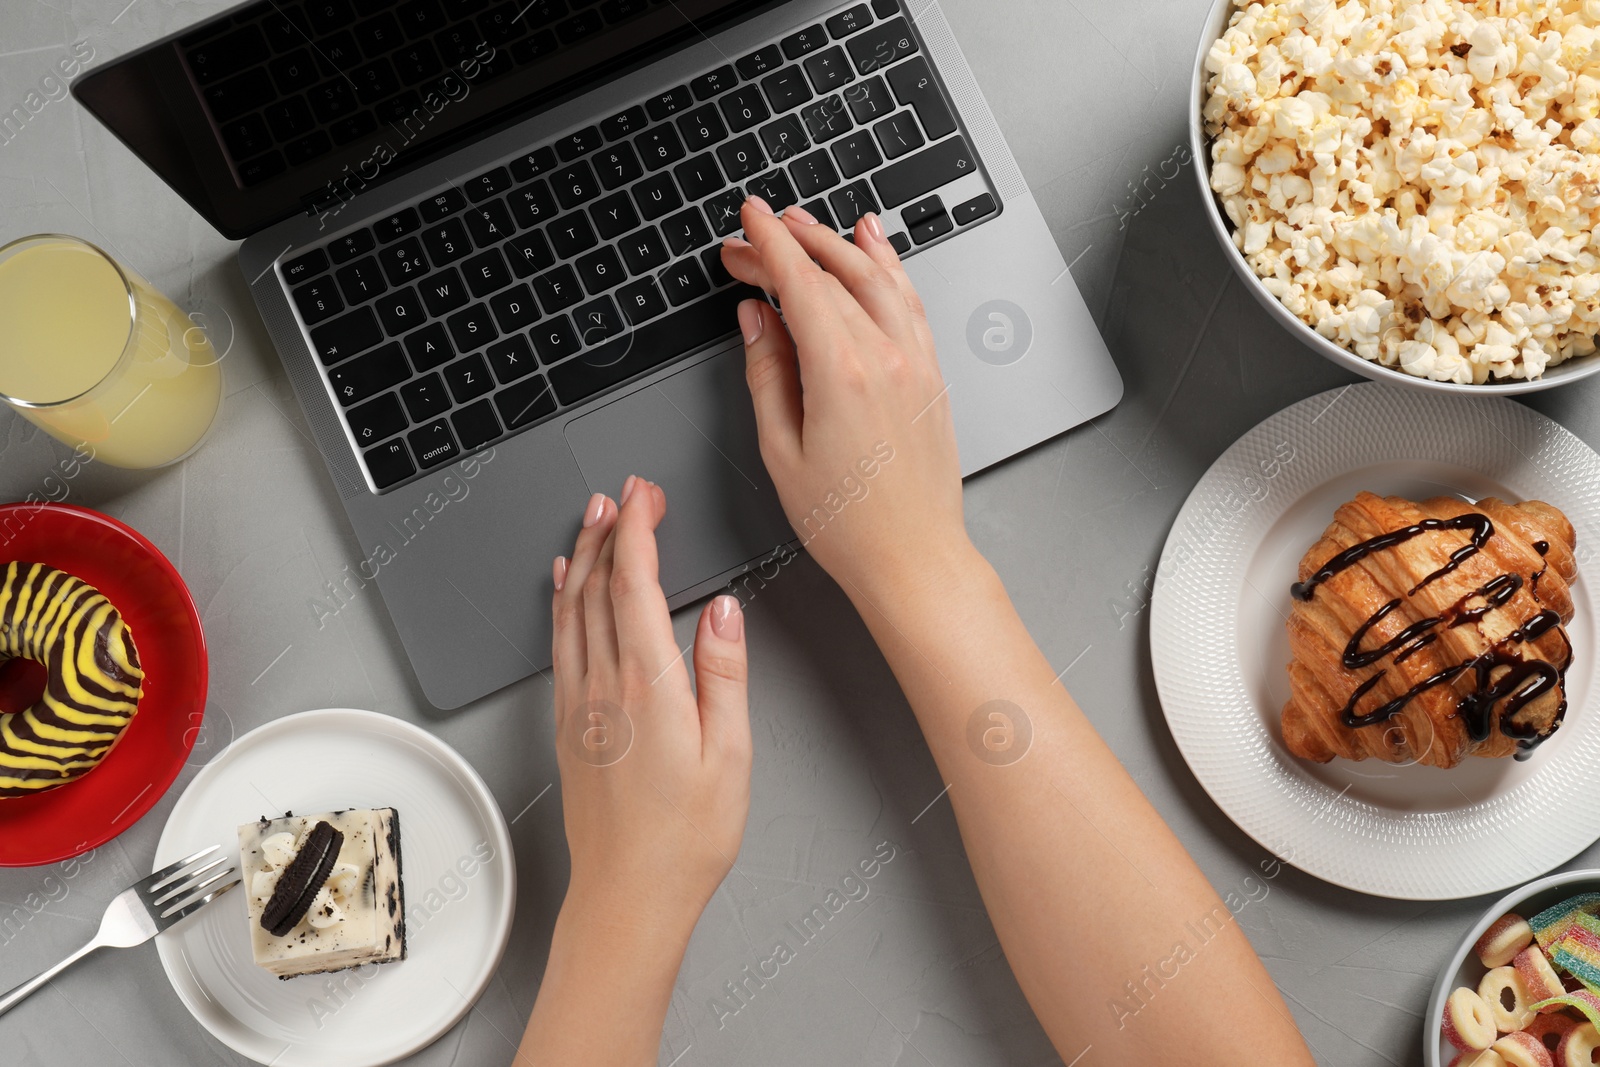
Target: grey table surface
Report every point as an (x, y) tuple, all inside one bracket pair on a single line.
[(1091, 95)]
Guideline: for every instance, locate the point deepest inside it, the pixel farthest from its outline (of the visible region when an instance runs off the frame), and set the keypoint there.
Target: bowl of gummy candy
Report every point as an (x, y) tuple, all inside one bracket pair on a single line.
[(1523, 989)]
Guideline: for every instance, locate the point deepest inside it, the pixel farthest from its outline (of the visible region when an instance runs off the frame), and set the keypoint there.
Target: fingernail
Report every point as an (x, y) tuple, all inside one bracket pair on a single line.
[(760, 205), (559, 572), (735, 242), (751, 321), (874, 225), (596, 508), (627, 487), (799, 214), (727, 620)]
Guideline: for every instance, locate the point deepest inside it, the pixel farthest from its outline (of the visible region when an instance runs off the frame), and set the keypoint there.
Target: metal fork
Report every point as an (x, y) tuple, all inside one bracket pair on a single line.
[(143, 910)]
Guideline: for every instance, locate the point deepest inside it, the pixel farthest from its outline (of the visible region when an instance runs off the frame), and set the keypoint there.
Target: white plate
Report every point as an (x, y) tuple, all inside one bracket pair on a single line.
[(1220, 650), (457, 870)]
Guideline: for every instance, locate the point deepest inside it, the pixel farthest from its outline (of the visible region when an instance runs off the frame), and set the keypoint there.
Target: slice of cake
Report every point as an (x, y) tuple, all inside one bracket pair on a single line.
[(324, 891)]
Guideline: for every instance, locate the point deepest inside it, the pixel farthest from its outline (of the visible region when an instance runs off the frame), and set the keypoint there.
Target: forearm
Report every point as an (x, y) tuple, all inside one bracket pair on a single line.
[(1087, 888)]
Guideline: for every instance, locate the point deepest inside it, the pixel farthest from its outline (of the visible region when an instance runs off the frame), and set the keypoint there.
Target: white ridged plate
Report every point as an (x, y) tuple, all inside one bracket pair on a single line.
[(458, 922), (1220, 650)]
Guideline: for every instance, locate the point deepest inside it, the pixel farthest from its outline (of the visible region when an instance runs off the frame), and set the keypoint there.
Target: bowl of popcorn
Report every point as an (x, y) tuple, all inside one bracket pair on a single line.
[(1523, 989), (1412, 187)]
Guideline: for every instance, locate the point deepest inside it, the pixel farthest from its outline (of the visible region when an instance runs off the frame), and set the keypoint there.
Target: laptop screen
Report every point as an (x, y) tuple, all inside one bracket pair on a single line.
[(280, 107)]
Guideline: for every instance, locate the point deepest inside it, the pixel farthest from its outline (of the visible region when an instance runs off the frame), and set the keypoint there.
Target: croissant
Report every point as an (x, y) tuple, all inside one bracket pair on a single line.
[(1429, 632)]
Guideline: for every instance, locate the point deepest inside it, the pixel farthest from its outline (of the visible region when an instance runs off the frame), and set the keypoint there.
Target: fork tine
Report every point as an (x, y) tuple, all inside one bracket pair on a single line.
[(197, 889), (195, 905), (183, 883), (165, 874)]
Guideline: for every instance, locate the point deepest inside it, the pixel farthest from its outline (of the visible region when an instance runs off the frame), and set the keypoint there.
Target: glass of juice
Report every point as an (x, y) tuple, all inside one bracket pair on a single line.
[(99, 359)]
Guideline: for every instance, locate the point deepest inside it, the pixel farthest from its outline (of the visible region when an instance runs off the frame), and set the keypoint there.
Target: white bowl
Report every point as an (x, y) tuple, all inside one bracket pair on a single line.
[(1464, 968), (1216, 22)]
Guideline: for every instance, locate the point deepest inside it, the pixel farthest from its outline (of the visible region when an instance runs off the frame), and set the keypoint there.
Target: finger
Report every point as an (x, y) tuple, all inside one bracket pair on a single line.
[(868, 281), (771, 371), (743, 262), (644, 626), (871, 239), (599, 619), (721, 673), (807, 293), (569, 645)]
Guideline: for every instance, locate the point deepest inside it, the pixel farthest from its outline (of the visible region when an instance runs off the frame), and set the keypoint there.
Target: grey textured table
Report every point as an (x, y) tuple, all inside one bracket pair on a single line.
[(1091, 95)]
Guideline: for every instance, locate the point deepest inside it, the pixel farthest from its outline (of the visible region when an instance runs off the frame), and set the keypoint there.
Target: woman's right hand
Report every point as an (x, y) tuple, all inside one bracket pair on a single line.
[(852, 412)]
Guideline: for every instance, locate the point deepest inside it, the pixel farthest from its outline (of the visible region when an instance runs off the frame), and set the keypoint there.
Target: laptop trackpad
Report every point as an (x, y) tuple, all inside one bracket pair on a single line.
[(694, 434)]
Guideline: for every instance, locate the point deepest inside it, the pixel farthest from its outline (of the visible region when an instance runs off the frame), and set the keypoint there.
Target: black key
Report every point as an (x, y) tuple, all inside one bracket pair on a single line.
[(555, 339), (702, 127), (643, 251), (476, 425), (649, 346), (404, 261), (851, 202), (714, 83), (511, 358), (683, 281), (458, 43), (711, 259), (514, 309), (687, 231), (374, 81), (600, 269), (355, 243), (900, 242), (261, 168), (501, 26), (784, 138), (543, 12), (922, 210), (388, 464), (885, 8), (656, 196), (924, 172), (246, 137), (575, 185), (472, 328), (579, 143), (468, 378), (584, 24), (744, 108), (396, 226), (557, 289), (338, 51), (659, 146), (417, 63), (597, 321), (829, 70), (326, 16), (847, 22), (529, 254), (571, 234), (669, 103), (425, 397), (345, 336), (882, 45), (356, 379), (526, 402), (433, 444), (361, 280), (821, 212), (857, 154), (400, 311), (624, 123), (429, 347), (722, 211), (774, 188), (913, 84), (244, 93), (807, 40), (439, 205), (377, 419), (489, 183), (317, 300), (741, 157), (421, 16), (613, 216), (443, 292), (486, 272), (489, 223), (932, 227), (349, 129), (305, 149), (333, 99), (617, 166), (699, 177), (814, 174), (233, 52), (641, 300), (309, 265), (786, 89), (898, 135), (532, 204), (532, 164), (827, 118), (446, 241), (869, 99), (974, 209), (760, 62)]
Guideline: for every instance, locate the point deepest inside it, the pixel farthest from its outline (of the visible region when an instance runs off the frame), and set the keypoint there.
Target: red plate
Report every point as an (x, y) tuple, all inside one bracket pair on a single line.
[(135, 576)]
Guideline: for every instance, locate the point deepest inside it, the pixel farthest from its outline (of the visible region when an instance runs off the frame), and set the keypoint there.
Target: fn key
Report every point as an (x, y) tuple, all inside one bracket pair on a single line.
[(388, 464)]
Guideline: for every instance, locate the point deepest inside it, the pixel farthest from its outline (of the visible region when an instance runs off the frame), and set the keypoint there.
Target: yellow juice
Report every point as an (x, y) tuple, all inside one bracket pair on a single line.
[(99, 359)]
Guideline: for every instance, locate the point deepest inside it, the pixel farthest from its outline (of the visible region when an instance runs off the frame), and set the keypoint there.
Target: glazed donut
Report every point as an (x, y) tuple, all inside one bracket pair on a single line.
[(93, 685)]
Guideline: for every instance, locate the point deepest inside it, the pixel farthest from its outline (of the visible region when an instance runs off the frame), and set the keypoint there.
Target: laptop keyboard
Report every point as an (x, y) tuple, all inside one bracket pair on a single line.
[(542, 283)]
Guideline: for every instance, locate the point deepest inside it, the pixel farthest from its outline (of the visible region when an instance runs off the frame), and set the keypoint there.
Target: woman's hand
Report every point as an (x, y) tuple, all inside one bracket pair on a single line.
[(854, 422), (655, 780)]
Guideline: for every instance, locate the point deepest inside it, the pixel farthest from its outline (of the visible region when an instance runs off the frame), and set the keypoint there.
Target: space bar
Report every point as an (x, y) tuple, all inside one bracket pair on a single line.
[(649, 346)]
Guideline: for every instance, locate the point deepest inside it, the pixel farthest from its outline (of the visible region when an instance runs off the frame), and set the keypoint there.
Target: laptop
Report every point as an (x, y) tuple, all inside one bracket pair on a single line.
[(484, 238)]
